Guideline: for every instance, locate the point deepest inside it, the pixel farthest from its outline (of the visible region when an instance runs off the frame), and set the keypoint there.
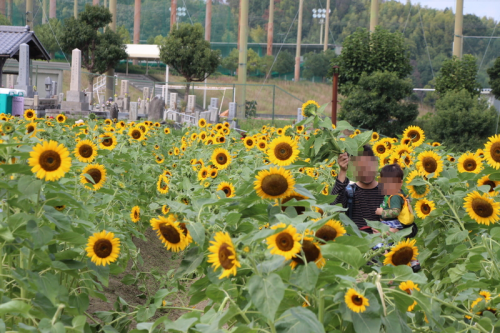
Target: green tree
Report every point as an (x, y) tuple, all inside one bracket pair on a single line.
[(462, 122), (456, 75), (365, 52), (258, 34), (285, 63), (124, 34), (101, 51), (494, 74), (254, 62), (4, 20), (159, 40), (377, 103), (231, 61), (316, 64), (187, 51), (47, 34)]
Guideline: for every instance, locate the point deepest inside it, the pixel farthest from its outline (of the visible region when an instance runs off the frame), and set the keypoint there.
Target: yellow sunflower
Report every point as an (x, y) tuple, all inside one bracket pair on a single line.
[(203, 173), (97, 173), (416, 134), (408, 287), (49, 160), (403, 149), (103, 248), (136, 134), (402, 254), (249, 142), (135, 214), (227, 188), (380, 148), (283, 151), (108, 141), (450, 158), (419, 191), (221, 158), (375, 137), (30, 129), (468, 162), (355, 301), (430, 162), (480, 153), (166, 130), (435, 144), (60, 208), (162, 184), (223, 254), (165, 209), (309, 108), (30, 114), (213, 173), (262, 145), (492, 151), (312, 253), (286, 242), (274, 183), (85, 151), (487, 181), (170, 233), (424, 207), (61, 118), (330, 231), (482, 208)]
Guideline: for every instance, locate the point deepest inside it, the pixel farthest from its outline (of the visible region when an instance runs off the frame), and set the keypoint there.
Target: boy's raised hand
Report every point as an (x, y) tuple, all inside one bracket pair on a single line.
[(343, 161)]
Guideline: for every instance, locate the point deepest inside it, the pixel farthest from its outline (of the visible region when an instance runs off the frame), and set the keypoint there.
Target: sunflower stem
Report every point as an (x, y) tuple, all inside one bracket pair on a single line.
[(454, 212), (321, 306), (271, 326), (490, 252)]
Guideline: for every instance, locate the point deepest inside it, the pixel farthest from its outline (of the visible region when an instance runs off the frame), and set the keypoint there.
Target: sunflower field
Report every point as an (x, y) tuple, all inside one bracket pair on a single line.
[(260, 247)]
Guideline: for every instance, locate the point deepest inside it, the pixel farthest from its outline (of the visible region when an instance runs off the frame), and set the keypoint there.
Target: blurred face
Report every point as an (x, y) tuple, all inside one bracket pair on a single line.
[(390, 185), (365, 168)]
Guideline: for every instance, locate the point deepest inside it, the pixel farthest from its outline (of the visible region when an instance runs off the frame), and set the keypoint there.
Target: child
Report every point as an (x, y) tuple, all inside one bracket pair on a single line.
[(391, 181)]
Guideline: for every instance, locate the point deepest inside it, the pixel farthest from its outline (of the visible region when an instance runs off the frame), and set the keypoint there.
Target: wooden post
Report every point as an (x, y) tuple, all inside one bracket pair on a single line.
[(2, 7), (52, 9), (242, 60), (173, 14), (137, 26), (374, 15), (270, 28), (208, 20), (29, 13), (75, 8), (327, 24), (334, 95), (299, 41)]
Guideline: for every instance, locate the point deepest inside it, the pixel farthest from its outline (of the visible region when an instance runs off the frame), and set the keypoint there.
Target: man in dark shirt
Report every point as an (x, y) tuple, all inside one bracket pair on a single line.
[(367, 195)]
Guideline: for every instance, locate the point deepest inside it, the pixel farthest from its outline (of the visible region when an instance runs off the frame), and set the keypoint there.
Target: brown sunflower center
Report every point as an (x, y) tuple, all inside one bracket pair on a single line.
[(470, 164), (107, 142), (284, 241), (274, 185), (204, 174), (30, 129), (429, 164), (29, 114), (136, 214), (224, 254), (262, 145), (414, 136), (482, 207), (380, 149), (170, 233), (183, 228), (357, 300), (95, 174), (59, 208), (491, 183), (408, 291), (495, 151), (250, 142), (85, 151), (103, 248), (425, 209), (50, 160), (311, 252), (227, 190), (326, 233), (299, 209), (60, 118), (402, 256), (136, 134), (221, 158), (283, 151)]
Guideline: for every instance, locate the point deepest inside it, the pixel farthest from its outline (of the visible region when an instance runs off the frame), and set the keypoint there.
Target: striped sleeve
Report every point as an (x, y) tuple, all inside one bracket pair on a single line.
[(340, 192)]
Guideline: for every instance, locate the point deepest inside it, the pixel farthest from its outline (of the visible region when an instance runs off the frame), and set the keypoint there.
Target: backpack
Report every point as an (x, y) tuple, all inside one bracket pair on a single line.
[(406, 216)]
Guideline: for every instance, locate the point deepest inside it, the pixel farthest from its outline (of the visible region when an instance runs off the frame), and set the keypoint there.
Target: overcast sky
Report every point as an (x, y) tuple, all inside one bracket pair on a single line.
[(489, 8)]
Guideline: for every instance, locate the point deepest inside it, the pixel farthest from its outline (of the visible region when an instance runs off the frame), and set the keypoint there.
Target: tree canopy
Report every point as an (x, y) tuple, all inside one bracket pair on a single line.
[(47, 34), (187, 51), (494, 74), (456, 75)]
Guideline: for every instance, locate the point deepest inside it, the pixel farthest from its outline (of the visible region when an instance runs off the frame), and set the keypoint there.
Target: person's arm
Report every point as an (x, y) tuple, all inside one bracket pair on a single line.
[(342, 181), (396, 204)]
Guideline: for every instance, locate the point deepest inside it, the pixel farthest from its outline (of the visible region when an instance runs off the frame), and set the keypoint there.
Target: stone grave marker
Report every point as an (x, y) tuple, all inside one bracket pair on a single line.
[(214, 102), (173, 101), (156, 108), (48, 87), (191, 103), (232, 111), (145, 93), (113, 112), (54, 89), (300, 117), (75, 98), (142, 107), (133, 111), (23, 79), (124, 88), (10, 81), (214, 117)]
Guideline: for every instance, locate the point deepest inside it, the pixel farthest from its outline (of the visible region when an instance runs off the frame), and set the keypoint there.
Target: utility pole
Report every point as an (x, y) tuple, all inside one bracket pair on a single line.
[(242, 60), (327, 24), (112, 9), (299, 40), (95, 3), (137, 25), (52, 9), (75, 9), (270, 28), (208, 20), (374, 15), (335, 94), (44, 11), (459, 20), (29, 14), (2, 7), (110, 75), (173, 14), (9, 9)]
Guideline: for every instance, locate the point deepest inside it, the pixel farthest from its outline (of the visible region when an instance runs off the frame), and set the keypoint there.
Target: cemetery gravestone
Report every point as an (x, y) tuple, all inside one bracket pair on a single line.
[(173, 101), (23, 80), (133, 111), (232, 111), (191, 103), (156, 108), (75, 98)]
